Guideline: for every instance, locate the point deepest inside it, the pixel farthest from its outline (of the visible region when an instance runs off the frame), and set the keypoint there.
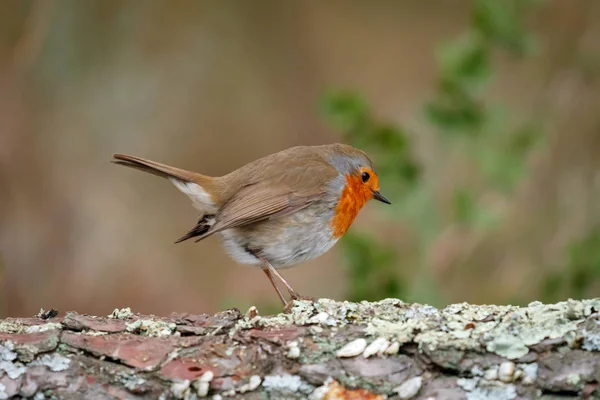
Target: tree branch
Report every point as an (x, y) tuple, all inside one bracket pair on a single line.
[(325, 350)]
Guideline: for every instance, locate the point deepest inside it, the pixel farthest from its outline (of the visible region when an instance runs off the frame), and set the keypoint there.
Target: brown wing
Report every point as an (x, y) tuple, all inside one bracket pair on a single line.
[(284, 192)]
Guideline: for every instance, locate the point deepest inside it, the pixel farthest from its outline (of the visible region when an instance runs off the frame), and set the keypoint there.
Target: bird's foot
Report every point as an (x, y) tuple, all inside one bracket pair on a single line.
[(295, 296), (307, 298)]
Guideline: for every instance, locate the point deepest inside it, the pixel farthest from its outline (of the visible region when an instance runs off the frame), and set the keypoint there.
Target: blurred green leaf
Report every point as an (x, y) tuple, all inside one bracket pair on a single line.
[(551, 287), (503, 23), (464, 206), (524, 139), (347, 111), (450, 115), (584, 263), (390, 138), (580, 276), (371, 269), (465, 61), (589, 63), (501, 168)]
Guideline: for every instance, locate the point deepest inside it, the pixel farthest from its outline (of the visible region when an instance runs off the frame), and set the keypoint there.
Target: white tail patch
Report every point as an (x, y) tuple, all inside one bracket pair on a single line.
[(201, 199)]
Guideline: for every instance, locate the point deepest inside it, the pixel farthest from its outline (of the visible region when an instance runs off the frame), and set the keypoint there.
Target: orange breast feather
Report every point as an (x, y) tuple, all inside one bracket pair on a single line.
[(354, 195)]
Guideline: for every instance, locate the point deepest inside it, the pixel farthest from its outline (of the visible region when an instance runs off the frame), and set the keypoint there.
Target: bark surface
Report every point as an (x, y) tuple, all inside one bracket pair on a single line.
[(322, 350)]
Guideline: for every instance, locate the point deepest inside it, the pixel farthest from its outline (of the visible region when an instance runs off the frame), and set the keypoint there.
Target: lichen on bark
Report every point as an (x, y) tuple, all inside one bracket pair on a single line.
[(321, 350)]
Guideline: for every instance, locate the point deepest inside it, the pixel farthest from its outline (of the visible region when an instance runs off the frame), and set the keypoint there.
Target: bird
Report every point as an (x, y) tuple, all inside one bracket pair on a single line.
[(280, 210)]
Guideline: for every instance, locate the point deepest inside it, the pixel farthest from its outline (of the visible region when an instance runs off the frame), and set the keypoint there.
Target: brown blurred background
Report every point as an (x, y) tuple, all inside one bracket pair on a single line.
[(209, 86)]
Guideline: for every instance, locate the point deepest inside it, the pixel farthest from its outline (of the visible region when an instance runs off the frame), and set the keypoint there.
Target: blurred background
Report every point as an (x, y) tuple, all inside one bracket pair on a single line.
[(482, 117)]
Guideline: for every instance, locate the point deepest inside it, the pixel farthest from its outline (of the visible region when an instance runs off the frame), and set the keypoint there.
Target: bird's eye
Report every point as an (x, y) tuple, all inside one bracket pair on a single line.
[(365, 176)]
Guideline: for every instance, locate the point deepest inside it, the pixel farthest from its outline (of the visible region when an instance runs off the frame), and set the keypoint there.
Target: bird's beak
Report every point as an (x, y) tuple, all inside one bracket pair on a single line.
[(380, 197)]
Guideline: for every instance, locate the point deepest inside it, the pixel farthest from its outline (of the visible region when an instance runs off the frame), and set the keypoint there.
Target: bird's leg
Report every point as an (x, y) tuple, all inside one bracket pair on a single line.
[(293, 294), (270, 271), (270, 276)]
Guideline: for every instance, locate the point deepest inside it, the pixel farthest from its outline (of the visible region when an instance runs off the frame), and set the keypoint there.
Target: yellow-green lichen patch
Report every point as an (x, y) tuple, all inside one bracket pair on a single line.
[(9, 326), (573, 379), (121, 313), (152, 328), (8, 361), (318, 350), (530, 325), (481, 389), (55, 362), (458, 326), (505, 330), (287, 386), (15, 326), (130, 380), (591, 335), (328, 312), (51, 326)]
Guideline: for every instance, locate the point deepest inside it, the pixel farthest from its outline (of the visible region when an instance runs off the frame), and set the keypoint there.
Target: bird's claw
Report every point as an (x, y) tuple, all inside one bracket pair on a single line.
[(295, 296)]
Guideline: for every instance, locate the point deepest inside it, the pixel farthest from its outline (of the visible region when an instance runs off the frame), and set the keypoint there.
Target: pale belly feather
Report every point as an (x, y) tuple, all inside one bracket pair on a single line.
[(284, 242)]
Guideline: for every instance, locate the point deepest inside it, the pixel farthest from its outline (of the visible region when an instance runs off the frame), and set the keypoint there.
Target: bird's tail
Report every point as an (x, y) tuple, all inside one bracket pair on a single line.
[(156, 168), (201, 189)]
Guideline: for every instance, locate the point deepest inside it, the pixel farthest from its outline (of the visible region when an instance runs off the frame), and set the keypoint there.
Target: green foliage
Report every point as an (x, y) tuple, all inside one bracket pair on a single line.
[(503, 23), (467, 127), (580, 277), (375, 283), (464, 68), (465, 64), (464, 204)]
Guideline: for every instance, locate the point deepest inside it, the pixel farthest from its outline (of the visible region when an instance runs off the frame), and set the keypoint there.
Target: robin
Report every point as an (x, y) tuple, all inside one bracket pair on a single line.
[(280, 210)]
